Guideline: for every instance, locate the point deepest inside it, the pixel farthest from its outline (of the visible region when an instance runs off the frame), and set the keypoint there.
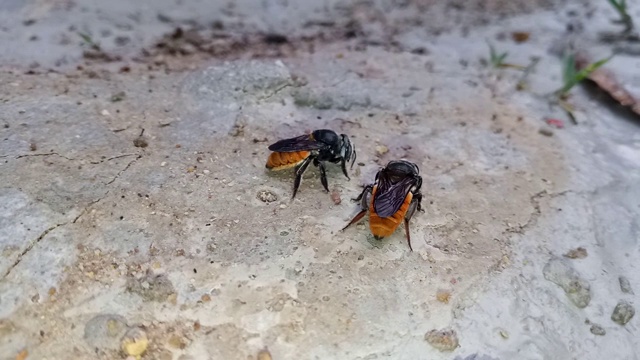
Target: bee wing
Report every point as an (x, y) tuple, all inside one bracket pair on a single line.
[(390, 197), (300, 143)]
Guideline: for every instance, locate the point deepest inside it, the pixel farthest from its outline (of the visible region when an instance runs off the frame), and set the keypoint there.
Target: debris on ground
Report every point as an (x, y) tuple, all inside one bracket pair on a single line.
[(267, 196), (443, 340), (177, 342), (140, 141), (443, 296), (545, 132), (577, 253), (561, 273), (264, 354), (238, 126), (623, 312), (118, 96), (151, 287), (597, 330), (520, 36), (335, 197), (556, 123), (625, 285), (104, 331), (381, 150), (22, 355), (135, 342)]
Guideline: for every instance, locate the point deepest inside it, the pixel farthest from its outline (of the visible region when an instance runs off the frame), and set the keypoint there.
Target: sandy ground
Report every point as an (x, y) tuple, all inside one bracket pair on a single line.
[(104, 230)]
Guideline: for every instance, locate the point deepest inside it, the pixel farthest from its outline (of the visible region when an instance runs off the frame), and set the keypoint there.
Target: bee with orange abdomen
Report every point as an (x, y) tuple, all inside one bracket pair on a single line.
[(391, 199), (317, 147)]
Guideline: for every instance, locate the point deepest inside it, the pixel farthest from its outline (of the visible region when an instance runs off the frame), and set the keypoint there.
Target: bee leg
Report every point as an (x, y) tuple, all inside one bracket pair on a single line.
[(366, 189), (415, 205), (418, 198), (406, 229), (343, 165), (355, 155), (300, 169), (355, 219), (323, 174)]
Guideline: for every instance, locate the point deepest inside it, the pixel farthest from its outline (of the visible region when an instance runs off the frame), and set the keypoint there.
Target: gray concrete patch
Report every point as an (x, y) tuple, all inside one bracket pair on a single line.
[(179, 239)]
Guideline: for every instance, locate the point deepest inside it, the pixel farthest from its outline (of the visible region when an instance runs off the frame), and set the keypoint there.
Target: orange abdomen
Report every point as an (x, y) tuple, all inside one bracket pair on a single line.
[(383, 227), (285, 160)]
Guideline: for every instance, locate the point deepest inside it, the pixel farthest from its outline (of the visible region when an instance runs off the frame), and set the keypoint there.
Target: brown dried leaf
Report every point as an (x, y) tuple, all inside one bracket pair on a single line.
[(520, 36)]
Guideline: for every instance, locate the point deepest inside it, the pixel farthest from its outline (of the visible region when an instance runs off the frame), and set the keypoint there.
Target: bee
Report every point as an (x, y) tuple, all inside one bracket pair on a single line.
[(317, 147), (392, 198)]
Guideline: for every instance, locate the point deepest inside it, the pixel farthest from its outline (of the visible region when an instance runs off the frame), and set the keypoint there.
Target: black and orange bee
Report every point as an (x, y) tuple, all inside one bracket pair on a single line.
[(317, 147), (392, 198)]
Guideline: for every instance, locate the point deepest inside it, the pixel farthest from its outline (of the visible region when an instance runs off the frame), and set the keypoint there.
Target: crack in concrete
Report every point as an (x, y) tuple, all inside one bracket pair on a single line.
[(34, 242), (112, 158), (28, 248), (70, 159), (44, 154), (123, 170), (84, 211), (537, 212), (276, 91)]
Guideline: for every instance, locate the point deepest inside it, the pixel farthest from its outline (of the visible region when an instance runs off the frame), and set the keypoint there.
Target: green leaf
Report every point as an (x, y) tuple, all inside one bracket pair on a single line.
[(569, 70), (572, 78)]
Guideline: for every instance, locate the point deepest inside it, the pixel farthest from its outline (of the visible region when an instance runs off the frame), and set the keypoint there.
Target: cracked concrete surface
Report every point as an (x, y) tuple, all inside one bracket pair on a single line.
[(165, 230)]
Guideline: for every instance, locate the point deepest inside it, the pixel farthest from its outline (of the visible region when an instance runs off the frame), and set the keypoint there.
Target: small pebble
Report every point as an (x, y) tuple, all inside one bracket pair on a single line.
[(560, 272), (597, 330), (335, 197), (264, 354), (163, 164), (625, 286), (267, 196), (104, 331), (622, 313), (443, 296), (443, 340), (135, 342), (545, 132), (381, 150), (177, 342)]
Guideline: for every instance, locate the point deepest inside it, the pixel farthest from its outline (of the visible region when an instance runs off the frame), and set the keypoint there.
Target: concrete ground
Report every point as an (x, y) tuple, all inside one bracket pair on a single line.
[(177, 234)]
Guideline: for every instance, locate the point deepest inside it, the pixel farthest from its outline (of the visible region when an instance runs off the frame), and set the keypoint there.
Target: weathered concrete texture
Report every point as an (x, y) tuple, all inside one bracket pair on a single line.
[(123, 27), (105, 229)]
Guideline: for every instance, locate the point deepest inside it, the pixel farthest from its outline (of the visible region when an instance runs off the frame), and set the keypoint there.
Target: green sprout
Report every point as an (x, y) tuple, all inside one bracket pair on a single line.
[(621, 7), (572, 77), (522, 83), (497, 60), (87, 39)]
